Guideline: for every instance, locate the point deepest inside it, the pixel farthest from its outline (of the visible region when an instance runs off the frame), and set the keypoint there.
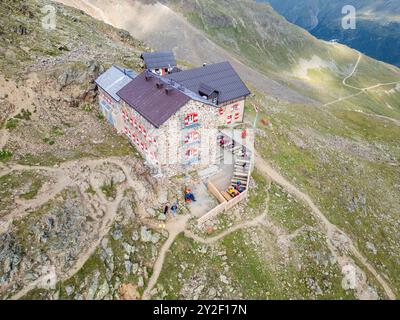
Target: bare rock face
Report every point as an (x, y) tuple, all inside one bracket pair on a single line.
[(78, 74), (57, 237)]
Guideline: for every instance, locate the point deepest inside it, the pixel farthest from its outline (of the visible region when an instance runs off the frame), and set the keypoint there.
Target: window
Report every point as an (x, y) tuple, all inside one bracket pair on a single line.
[(153, 157), (237, 116), (221, 111), (106, 98), (132, 121), (191, 154), (125, 115), (193, 136), (229, 120), (191, 119), (235, 107), (142, 130)]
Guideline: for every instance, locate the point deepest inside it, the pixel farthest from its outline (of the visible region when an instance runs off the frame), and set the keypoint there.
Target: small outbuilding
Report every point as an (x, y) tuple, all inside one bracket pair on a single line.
[(109, 83), (160, 63)]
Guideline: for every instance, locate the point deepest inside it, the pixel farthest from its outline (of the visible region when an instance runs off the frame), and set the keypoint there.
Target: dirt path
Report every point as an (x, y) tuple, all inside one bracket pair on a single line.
[(27, 206), (352, 73), (244, 225), (64, 176), (177, 226), (395, 121), (174, 228), (361, 90), (332, 232), (109, 217)]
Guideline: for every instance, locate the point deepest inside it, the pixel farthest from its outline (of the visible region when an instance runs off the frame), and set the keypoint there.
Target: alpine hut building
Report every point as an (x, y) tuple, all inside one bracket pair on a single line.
[(173, 120)]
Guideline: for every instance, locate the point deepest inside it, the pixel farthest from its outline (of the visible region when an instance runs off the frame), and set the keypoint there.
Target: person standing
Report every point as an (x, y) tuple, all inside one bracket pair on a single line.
[(174, 208)]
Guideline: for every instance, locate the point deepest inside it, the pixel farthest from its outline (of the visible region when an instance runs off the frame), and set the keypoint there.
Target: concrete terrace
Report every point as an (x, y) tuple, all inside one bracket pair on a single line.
[(211, 192)]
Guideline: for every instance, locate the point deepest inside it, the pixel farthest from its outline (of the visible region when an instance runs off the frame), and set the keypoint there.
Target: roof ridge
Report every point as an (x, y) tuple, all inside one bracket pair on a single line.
[(178, 86)]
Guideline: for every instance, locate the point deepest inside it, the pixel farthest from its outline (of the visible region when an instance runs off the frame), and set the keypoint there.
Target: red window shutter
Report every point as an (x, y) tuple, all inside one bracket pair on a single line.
[(221, 111), (191, 119)]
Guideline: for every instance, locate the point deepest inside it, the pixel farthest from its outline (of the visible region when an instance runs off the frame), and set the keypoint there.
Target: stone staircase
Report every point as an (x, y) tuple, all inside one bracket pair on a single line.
[(242, 161)]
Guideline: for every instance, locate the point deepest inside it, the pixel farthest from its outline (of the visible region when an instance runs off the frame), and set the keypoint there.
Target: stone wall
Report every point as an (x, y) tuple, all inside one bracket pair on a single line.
[(108, 106), (142, 134), (164, 148), (232, 109), (172, 149)]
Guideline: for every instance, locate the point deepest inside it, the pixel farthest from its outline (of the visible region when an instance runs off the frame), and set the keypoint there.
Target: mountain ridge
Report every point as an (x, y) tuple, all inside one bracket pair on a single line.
[(374, 19)]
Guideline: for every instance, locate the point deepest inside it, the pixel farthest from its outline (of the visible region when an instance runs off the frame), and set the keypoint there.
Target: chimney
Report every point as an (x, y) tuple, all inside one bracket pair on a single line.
[(168, 90), (148, 76), (159, 85)]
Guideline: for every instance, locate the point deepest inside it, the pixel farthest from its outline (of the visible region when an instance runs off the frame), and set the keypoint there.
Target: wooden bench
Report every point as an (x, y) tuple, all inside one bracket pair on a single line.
[(242, 161), (235, 185), (241, 179), (240, 174), (241, 168), (226, 195)]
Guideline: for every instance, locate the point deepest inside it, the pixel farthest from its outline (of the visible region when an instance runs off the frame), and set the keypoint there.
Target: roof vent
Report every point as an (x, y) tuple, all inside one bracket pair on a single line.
[(204, 64), (159, 85), (168, 91)]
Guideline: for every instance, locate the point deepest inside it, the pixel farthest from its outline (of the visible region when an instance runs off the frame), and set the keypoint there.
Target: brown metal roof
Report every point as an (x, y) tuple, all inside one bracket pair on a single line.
[(154, 104)]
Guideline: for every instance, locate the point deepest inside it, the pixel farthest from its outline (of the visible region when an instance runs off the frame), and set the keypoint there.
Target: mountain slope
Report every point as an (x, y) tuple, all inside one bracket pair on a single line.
[(163, 28), (79, 209), (247, 32), (378, 24)]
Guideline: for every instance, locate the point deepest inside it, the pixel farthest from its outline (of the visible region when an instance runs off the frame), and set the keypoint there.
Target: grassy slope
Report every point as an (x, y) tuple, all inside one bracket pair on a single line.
[(253, 261)]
